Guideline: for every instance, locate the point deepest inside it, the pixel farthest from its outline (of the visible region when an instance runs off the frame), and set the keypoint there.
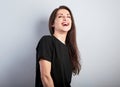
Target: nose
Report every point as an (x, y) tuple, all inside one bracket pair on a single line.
[(64, 18)]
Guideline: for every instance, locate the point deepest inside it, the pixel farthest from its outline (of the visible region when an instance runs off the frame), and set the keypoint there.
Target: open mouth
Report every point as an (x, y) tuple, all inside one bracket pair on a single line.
[(65, 24)]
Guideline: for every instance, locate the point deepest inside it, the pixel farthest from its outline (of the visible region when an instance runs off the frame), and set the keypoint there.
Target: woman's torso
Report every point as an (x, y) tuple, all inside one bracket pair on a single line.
[(61, 69)]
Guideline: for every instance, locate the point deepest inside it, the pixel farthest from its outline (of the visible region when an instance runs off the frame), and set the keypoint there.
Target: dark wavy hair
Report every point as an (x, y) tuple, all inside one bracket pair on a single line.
[(70, 39)]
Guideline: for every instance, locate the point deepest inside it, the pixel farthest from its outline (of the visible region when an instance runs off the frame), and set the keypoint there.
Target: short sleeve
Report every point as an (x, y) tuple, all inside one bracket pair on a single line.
[(44, 48)]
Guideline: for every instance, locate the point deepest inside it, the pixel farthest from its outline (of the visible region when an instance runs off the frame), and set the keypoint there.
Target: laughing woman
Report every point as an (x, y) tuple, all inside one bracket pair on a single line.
[(57, 54)]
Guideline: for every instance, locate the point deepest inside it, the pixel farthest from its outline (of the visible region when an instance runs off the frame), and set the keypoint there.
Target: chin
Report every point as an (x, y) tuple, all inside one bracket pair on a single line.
[(66, 30)]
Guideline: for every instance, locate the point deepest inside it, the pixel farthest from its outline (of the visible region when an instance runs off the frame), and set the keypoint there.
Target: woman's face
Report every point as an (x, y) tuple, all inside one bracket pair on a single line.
[(62, 22)]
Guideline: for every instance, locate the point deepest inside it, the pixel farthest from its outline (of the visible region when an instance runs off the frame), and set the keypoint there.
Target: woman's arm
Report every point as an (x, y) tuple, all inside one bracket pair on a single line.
[(45, 69)]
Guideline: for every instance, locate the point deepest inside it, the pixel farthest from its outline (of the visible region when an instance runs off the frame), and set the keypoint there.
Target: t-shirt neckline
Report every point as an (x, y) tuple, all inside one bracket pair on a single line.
[(59, 41)]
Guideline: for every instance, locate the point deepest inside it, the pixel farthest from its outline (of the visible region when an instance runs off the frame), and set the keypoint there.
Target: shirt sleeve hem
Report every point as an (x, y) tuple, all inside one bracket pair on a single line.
[(44, 58)]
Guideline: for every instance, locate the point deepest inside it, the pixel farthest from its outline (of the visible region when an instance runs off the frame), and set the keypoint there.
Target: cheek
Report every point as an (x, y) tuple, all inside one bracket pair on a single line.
[(57, 22), (70, 22)]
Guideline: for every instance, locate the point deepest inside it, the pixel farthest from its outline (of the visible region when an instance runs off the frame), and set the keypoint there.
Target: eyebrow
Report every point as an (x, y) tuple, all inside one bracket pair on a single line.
[(62, 14)]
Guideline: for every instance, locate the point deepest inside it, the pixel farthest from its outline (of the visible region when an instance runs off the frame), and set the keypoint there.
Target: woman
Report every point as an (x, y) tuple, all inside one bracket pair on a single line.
[(57, 55)]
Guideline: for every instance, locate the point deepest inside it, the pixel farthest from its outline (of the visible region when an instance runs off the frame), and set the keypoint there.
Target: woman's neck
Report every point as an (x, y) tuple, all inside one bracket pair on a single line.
[(61, 37)]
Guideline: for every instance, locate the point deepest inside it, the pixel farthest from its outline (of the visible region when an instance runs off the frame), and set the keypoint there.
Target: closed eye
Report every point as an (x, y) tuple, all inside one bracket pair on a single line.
[(59, 16), (68, 16)]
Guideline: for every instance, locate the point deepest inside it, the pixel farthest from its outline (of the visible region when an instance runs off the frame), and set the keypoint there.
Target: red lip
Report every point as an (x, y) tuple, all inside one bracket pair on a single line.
[(65, 24)]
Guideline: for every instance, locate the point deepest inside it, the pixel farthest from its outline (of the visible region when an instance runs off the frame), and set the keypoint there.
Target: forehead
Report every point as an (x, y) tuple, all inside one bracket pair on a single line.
[(63, 11)]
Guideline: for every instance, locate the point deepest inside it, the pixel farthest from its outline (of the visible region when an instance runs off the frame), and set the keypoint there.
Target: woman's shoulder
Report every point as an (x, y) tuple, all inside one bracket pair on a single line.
[(46, 39)]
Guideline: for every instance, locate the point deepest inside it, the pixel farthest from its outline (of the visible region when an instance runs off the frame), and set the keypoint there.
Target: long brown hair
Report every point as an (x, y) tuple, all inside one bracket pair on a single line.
[(70, 40)]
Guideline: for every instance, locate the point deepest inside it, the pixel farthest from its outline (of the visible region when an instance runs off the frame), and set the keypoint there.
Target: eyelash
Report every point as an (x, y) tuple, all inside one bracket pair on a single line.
[(59, 16), (62, 16), (69, 16)]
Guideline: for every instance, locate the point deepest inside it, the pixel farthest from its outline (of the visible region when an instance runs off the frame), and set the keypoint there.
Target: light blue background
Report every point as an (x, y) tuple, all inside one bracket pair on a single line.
[(23, 22)]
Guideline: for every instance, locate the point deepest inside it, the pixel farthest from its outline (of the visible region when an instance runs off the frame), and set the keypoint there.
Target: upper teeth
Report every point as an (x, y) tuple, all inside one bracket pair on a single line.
[(65, 24)]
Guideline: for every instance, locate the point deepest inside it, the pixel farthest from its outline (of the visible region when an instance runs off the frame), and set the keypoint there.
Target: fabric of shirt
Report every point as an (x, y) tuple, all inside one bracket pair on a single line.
[(53, 50)]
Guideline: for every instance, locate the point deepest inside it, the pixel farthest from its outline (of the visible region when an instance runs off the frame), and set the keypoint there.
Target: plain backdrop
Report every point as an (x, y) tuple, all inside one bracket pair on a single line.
[(24, 22)]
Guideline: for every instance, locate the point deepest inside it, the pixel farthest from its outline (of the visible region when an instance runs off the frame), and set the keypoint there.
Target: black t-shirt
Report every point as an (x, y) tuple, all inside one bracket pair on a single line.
[(54, 51)]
